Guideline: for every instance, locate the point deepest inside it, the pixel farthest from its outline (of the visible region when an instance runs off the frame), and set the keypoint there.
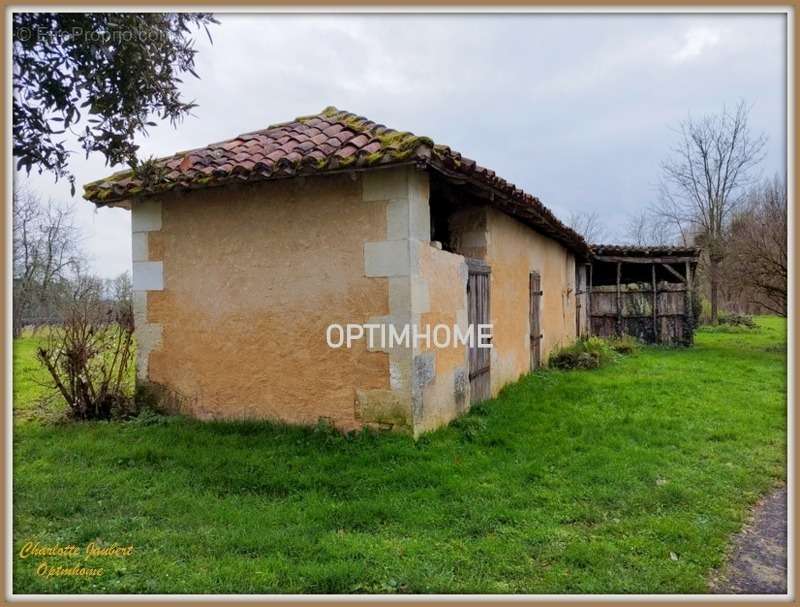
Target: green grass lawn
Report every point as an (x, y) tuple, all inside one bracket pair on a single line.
[(631, 478)]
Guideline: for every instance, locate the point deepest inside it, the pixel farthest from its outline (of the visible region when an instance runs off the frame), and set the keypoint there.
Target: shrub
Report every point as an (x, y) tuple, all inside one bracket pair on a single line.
[(571, 358), (588, 353), (626, 345), (699, 306), (157, 398), (737, 320), (470, 426), (327, 432), (149, 417), (89, 356), (704, 316)]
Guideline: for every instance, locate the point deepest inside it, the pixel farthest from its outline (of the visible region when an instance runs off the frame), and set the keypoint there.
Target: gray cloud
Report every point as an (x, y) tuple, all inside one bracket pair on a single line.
[(575, 109)]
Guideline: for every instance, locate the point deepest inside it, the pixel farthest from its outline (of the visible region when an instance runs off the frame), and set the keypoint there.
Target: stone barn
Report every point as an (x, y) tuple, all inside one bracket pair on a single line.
[(246, 252)]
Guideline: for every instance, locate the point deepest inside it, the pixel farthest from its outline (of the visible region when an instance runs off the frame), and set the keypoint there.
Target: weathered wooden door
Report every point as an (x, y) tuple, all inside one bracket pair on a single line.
[(535, 321), (478, 314)]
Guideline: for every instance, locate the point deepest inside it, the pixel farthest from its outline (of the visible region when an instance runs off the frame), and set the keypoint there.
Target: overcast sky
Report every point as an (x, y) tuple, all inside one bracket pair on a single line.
[(575, 109)]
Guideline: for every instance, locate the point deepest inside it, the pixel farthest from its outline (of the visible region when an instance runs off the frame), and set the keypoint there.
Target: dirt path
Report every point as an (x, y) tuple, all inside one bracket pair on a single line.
[(758, 561)]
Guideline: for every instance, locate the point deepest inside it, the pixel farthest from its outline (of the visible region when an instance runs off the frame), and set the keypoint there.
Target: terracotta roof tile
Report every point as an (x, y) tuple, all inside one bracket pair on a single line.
[(372, 147), (331, 140), (333, 129), (346, 151), (359, 141), (624, 250)]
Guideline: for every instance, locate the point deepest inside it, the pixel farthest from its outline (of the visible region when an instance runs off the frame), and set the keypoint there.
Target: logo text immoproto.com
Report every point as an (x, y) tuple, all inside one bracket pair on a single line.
[(387, 336)]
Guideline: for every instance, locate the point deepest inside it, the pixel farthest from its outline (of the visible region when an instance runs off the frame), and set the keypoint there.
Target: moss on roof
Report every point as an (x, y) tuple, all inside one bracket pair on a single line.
[(329, 141)]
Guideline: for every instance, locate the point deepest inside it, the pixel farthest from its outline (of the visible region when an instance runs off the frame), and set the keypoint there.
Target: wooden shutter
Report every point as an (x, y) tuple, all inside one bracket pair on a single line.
[(478, 314), (535, 320)]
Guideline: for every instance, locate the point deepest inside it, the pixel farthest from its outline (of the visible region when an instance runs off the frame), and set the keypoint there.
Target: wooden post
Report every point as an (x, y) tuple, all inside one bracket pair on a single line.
[(689, 318), (655, 306), (619, 298), (589, 302), (578, 292)]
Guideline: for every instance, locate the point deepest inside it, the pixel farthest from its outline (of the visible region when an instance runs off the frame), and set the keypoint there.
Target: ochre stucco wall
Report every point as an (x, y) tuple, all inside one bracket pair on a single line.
[(237, 286), (253, 275), (513, 250), (447, 394)]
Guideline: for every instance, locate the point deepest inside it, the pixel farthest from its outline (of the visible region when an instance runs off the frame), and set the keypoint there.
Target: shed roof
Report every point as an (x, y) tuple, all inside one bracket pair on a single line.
[(333, 140), (623, 250)]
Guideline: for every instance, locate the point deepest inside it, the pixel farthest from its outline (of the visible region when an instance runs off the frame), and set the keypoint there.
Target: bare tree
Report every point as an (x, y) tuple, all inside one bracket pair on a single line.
[(45, 253), (649, 227), (588, 225), (705, 179), (640, 229), (122, 287), (120, 291), (671, 219), (756, 257)]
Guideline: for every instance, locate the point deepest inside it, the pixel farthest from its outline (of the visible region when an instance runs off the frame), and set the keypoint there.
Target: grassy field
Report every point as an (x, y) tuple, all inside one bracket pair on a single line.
[(626, 479)]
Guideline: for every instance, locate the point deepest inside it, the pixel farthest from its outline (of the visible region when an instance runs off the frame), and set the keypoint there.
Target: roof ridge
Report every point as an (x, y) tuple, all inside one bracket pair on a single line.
[(352, 120), (331, 140)]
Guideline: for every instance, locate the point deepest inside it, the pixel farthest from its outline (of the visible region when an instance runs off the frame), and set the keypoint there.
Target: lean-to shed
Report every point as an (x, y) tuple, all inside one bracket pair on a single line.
[(645, 292)]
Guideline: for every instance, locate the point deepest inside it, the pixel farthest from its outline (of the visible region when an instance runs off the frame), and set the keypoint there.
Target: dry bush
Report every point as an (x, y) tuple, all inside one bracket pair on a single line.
[(588, 353), (89, 357), (738, 320)]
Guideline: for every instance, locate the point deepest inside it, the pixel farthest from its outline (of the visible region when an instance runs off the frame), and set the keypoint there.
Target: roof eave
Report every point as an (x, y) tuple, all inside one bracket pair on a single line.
[(127, 199), (521, 209)]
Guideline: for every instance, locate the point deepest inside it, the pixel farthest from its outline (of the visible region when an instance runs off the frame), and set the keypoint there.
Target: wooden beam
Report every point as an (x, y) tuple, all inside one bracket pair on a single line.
[(673, 271), (648, 260), (660, 315), (655, 305), (689, 311), (478, 266), (519, 209), (619, 298), (589, 299), (644, 287), (614, 315)]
